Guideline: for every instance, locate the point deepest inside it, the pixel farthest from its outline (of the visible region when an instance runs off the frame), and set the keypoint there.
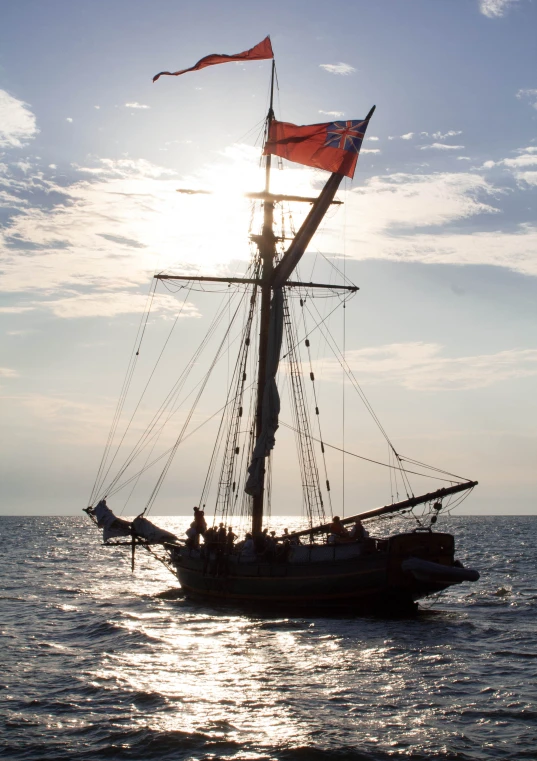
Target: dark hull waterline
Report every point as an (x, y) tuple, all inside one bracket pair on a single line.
[(374, 578)]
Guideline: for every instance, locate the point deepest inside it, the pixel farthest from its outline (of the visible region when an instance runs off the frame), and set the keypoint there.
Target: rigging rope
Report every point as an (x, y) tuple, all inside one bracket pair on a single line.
[(164, 454), (99, 479), (169, 400), (147, 383), (376, 462), (164, 472), (316, 402)]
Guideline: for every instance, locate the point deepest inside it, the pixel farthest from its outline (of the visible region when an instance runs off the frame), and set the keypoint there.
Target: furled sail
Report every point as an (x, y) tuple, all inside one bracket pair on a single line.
[(151, 533), (271, 399), (112, 526)]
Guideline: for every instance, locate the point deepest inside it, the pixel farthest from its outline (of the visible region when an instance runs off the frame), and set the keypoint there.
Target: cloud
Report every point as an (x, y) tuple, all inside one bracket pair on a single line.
[(463, 158), (530, 95), (338, 68), (443, 135), (136, 105), (17, 125), (411, 201), (408, 136), (441, 147), (526, 157), (108, 228), (69, 119), (15, 310), (111, 304), (332, 113), (68, 418), (530, 178), (75, 246), (495, 8), (372, 137), (7, 372), (388, 217), (421, 366), (370, 150)]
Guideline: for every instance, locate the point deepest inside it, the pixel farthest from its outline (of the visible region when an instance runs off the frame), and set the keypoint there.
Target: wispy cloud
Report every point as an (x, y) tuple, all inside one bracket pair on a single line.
[(97, 234), (69, 119), (15, 310), (441, 147), (111, 304), (390, 217), (372, 137), (530, 178), (338, 68), (519, 165), (332, 113), (443, 135), (17, 125), (7, 372), (412, 201), (407, 136), (495, 8), (527, 157), (422, 367), (530, 95), (136, 105), (370, 150)]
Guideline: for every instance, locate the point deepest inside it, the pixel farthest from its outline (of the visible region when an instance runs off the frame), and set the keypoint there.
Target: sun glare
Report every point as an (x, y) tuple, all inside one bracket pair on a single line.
[(208, 230)]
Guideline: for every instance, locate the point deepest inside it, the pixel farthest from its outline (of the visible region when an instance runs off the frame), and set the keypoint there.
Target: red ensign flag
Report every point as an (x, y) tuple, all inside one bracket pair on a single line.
[(333, 146), (258, 53)]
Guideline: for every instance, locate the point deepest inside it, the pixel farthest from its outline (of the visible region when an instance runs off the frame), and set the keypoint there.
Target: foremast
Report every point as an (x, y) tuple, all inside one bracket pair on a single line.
[(267, 252)]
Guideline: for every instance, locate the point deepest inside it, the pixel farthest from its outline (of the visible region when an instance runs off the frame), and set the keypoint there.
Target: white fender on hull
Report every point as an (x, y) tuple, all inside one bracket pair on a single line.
[(424, 570)]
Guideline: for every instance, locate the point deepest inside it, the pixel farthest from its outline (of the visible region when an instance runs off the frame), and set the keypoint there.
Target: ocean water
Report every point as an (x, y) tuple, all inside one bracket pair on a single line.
[(99, 663)]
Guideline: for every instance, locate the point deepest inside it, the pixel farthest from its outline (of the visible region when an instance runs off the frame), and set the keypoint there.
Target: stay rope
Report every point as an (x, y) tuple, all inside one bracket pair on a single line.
[(379, 462), (169, 401), (173, 451), (135, 353)]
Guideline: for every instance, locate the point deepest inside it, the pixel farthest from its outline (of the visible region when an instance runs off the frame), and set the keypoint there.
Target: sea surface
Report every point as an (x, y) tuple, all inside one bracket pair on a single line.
[(100, 663)]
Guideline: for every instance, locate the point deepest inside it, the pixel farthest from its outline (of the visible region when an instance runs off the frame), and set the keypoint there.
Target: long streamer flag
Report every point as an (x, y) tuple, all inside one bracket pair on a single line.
[(333, 146), (259, 52)]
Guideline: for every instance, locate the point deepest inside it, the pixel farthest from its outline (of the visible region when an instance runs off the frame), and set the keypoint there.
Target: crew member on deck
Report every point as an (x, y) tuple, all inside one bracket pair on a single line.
[(199, 520), (221, 535), (338, 529), (248, 549), (358, 532), (230, 538), (193, 537)]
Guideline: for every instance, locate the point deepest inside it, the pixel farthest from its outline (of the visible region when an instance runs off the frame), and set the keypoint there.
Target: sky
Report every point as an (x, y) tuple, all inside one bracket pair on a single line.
[(438, 229)]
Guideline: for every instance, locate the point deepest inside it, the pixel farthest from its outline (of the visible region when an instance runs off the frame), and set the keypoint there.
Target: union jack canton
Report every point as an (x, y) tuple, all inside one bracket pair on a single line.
[(346, 135)]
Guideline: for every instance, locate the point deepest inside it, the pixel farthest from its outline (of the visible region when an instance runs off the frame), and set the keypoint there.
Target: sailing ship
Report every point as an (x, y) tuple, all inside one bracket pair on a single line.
[(323, 565)]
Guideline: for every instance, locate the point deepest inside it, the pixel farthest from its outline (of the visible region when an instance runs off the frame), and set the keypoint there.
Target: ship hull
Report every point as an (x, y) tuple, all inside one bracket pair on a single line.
[(364, 577)]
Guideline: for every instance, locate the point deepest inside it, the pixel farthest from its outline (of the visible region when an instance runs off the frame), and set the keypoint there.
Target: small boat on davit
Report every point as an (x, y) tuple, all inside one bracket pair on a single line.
[(328, 564)]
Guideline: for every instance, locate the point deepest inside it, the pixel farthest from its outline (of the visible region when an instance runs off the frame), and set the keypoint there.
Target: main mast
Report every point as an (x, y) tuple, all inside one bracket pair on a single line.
[(267, 252)]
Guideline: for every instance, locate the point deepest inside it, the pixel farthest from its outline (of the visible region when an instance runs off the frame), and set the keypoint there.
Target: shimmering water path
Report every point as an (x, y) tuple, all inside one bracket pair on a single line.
[(98, 663)]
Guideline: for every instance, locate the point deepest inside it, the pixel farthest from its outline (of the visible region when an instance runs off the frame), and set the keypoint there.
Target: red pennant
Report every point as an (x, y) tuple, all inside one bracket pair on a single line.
[(259, 52)]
